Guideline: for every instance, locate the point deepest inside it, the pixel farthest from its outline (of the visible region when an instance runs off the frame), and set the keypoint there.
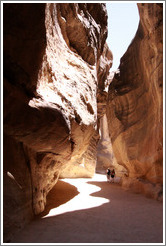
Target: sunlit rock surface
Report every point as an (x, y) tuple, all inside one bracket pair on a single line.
[(134, 108), (55, 61)]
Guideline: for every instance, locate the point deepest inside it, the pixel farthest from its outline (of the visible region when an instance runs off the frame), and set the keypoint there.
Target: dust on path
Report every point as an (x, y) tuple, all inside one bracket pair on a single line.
[(94, 211)]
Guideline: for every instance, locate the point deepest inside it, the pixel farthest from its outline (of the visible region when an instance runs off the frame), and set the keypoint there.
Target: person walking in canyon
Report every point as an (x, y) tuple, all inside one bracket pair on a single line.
[(112, 173)]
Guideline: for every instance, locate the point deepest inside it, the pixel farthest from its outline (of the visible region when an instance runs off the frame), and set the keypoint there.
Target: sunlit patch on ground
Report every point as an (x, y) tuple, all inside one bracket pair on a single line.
[(95, 211), (83, 200)]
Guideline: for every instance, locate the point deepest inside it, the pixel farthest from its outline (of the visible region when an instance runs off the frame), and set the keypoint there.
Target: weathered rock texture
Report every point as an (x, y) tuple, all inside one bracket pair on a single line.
[(55, 61), (134, 109)]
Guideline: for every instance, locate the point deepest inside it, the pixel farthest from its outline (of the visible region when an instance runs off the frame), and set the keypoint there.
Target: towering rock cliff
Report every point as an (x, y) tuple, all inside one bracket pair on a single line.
[(55, 63), (134, 108)]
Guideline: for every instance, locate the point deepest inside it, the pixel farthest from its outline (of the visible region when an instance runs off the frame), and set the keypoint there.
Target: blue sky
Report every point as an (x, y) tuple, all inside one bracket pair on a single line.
[(123, 20)]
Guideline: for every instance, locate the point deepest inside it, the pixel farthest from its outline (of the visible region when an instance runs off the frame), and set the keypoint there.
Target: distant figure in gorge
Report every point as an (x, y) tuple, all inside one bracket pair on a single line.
[(112, 175), (108, 175)]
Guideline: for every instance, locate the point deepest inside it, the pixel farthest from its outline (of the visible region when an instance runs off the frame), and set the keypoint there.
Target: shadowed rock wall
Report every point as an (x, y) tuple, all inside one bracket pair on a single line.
[(55, 59), (24, 42), (134, 109)]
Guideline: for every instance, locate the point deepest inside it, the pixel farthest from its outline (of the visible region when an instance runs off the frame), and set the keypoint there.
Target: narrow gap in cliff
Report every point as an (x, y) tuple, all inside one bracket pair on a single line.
[(123, 20)]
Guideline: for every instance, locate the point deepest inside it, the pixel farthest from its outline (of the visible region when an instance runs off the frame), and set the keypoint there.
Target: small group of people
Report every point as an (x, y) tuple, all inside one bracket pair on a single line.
[(110, 175)]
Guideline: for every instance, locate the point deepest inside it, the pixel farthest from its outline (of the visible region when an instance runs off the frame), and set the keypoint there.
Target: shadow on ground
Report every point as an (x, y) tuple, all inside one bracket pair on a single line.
[(61, 193), (127, 218)]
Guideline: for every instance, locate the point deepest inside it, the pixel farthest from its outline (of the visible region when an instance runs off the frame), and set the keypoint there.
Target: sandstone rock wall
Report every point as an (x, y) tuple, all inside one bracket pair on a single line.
[(24, 43), (55, 56), (134, 108)]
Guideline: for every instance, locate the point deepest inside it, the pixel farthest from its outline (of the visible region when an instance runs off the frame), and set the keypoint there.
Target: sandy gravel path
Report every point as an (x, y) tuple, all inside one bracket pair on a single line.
[(94, 211)]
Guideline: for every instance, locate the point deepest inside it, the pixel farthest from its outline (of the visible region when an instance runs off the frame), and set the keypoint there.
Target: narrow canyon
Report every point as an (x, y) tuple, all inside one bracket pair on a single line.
[(63, 117)]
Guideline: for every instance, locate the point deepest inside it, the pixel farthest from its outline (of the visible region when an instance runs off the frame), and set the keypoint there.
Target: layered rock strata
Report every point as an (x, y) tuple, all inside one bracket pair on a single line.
[(134, 108), (55, 56)]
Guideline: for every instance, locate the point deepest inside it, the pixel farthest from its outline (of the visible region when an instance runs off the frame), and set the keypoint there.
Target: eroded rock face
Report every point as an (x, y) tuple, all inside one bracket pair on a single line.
[(134, 109), (53, 55)]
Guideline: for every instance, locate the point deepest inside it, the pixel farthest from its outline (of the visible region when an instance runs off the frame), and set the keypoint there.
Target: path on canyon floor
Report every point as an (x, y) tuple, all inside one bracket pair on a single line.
[(94, 211)]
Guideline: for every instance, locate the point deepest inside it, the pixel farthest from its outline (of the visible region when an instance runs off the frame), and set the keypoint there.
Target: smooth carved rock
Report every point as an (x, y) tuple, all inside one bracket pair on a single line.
[(51, 63), (134, 108)]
